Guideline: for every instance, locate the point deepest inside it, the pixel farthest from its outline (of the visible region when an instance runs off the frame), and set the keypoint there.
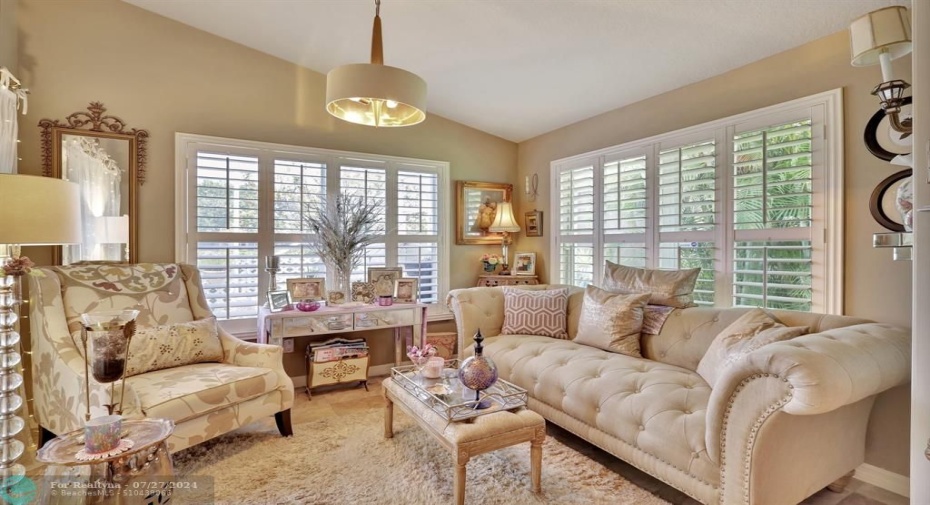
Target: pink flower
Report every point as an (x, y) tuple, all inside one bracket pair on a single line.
[(427, 351), (18, 266)]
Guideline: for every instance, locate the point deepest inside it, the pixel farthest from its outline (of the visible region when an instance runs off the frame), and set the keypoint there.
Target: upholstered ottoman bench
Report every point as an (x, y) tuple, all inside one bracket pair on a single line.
[(472, 437)]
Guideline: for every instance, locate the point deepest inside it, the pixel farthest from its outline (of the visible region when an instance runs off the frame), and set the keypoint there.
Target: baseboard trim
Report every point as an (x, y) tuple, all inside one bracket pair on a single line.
[(887, 480)]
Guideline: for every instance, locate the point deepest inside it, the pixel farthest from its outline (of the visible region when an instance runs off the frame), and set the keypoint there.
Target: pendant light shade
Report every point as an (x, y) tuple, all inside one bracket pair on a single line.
[(374, 94)]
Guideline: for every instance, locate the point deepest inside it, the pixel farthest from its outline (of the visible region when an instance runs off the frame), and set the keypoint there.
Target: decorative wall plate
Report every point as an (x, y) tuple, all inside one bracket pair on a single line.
[(881, 204), (884, 142)]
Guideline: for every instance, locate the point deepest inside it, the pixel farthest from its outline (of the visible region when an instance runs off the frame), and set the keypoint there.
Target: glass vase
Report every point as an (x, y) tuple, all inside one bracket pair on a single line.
[(339, 292), (107, 343)]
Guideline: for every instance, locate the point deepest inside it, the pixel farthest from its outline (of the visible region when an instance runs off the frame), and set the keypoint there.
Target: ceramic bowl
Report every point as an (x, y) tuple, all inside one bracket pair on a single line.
[(307, 306)]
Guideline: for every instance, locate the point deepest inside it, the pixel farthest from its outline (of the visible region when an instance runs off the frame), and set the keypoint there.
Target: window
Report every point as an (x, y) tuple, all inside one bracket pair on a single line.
[(754, 200), (239, 201)]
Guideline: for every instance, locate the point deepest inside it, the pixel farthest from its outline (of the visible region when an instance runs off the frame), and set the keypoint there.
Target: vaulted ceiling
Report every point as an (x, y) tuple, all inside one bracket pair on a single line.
[(520, 68)]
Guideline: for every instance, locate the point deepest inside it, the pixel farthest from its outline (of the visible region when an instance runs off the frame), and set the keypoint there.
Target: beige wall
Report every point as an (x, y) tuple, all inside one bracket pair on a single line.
[(876, 287)]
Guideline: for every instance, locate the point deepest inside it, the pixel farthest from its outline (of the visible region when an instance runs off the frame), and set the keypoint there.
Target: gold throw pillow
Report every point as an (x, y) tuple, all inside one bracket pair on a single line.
[(751, 331), (611, 321), (672, 288), (170, 345)]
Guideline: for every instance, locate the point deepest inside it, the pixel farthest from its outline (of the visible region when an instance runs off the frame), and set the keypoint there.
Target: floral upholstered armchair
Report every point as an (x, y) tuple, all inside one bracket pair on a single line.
[(203, 399)]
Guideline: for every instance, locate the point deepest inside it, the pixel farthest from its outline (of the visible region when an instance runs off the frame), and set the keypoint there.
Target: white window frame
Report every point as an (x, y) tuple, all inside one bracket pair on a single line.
[(827, 136), (187, 145)]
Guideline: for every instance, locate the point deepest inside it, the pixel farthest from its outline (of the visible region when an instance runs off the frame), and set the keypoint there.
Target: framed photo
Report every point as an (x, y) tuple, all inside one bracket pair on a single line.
[(383, 279), (534, 223), (363, 292), (278, 300), (475, 208), (524, 264), (313, 288), (406, 290)]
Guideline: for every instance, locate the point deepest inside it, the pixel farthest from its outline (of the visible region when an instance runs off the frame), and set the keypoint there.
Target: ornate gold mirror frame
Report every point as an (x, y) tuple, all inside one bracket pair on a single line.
[(123, 150)]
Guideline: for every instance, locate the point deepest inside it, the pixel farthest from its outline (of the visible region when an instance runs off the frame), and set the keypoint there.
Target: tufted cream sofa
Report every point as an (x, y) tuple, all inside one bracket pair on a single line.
[(783, 423)]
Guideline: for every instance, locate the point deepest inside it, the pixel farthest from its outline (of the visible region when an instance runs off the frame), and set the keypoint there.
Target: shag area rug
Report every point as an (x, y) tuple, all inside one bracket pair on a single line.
[(346, 460)]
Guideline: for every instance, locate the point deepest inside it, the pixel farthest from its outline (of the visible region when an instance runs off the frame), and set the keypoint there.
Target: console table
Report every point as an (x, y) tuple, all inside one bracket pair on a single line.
[(490, 281), (274, 327)]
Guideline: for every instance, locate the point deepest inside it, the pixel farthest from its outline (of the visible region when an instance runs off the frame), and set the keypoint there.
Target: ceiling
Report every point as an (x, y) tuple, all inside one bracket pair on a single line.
[(520, 68)]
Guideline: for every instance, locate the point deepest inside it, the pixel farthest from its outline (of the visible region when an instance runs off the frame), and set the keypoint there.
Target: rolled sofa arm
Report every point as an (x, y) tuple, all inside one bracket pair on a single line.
[(476, 309), (814, 374), (241, 353)]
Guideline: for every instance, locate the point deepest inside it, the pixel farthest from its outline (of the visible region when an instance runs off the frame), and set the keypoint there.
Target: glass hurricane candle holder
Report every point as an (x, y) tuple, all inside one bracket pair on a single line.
[(106, 336)]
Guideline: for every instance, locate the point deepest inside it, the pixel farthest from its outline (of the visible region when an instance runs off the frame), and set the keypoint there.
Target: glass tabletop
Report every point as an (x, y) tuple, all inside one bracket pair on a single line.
[(143, 432), (447, 396)]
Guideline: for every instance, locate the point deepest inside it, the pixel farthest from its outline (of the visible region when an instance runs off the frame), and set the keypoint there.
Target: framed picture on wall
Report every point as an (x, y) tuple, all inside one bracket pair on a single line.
[(533, 223), (524, 264), (475, 209)]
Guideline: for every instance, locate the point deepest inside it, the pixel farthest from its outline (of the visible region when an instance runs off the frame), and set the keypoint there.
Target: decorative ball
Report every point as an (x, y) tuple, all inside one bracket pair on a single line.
[(478, 373)]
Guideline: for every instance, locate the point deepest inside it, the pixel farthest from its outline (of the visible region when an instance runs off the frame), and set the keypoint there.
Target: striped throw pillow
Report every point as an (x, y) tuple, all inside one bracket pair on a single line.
[(535, 312)]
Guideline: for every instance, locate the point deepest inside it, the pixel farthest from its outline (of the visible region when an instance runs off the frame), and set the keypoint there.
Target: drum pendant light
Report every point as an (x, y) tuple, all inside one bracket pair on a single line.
[(375, 94)]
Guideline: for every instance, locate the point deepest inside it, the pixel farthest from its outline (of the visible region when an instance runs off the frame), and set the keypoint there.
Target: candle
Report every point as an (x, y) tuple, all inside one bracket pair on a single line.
[(433, 368), (272, 261)]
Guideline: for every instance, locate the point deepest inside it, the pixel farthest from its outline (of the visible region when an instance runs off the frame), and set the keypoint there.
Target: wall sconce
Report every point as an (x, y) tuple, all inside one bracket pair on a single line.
[(880, 37), (531, 187)]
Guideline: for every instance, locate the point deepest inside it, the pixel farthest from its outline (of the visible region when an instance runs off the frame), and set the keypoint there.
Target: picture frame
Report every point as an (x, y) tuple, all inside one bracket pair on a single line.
[(406, 290), (383, 279), (524, 263), (279, 299), (311, 288), (475, 207), (533, 223), (363, 292)]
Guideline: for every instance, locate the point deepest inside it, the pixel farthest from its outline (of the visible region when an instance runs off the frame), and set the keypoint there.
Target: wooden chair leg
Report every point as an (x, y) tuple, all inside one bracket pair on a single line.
[(44, 436), (283, 420)]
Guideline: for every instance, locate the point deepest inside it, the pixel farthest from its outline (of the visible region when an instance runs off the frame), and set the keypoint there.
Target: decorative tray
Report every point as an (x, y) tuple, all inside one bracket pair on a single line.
[(448, 397)]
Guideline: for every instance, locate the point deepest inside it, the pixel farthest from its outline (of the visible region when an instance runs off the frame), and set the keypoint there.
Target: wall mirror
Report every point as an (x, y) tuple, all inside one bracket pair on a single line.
[(106, 159)]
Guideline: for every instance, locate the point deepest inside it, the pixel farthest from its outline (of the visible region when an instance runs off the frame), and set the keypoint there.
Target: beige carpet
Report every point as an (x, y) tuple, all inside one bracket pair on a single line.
[(346, 460)]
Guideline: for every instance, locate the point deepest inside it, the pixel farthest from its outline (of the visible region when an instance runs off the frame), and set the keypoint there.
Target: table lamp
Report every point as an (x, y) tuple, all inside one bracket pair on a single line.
[(33, 211), (505, 223)]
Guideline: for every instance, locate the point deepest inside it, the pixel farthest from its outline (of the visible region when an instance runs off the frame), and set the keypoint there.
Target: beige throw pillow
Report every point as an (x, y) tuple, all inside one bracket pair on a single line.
[(672, 288), (751, 331), (167, 346), (611, 321), (535, 312)]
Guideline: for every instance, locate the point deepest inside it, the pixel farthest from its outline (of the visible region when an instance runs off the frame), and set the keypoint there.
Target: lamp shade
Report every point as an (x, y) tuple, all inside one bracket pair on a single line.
[(39, 211), (372, 94), (885, 30), (504, 220)]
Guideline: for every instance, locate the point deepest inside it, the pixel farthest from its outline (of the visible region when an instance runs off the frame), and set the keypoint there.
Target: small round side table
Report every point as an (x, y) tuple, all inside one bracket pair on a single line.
[(141, 475)]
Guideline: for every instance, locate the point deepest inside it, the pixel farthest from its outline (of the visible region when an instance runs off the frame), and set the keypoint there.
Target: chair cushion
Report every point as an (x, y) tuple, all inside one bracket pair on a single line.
[(611, 321), (186, 392), (172, 345), (656, 407), (531, 312), (672, 288)]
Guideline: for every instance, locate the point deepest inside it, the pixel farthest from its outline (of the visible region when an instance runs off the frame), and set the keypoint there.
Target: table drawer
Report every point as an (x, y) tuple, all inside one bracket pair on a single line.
[(309, 325), (384, 319)]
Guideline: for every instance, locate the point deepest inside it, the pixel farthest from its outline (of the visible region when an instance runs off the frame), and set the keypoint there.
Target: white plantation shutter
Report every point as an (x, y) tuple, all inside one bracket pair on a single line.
[(576, 225), (240, 201), (687, 208), (624, 198), (773, 206), (225, 231), (755, 201)]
